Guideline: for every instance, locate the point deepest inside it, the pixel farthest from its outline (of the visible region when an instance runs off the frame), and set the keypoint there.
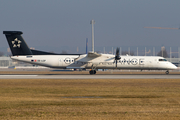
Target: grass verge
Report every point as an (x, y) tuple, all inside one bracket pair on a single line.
[(90, 99)]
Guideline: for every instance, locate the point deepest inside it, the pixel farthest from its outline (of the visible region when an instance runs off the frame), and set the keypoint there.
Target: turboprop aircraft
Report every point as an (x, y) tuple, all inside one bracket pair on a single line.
[(92, 60)]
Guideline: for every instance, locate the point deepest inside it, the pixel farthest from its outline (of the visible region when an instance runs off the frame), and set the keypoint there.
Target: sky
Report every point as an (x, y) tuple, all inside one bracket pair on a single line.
[(57, 25)]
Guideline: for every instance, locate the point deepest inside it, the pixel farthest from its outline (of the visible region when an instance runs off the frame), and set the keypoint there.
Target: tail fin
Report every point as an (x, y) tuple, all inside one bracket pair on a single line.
[(16, 43)]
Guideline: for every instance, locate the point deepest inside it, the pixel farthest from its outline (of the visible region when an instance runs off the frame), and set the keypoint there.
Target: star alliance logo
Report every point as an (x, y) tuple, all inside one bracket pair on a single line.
[(16, 43)]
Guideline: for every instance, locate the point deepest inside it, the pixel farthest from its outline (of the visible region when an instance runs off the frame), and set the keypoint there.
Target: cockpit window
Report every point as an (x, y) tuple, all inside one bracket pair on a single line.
[(162, 60)]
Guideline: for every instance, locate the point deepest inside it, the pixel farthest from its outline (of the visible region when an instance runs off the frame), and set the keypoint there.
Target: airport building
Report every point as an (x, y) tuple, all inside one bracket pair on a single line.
[(5, 62)]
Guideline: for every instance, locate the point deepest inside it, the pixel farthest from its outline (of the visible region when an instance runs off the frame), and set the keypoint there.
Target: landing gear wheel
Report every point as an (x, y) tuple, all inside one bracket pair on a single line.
[(167, 72), (92, 72)]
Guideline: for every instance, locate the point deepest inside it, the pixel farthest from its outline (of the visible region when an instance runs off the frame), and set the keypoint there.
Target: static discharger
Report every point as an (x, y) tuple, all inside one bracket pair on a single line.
[(162, 28)]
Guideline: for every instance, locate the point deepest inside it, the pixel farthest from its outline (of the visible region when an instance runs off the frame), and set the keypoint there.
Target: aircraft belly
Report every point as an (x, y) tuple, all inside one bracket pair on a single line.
[(129, 66), (75, 66)]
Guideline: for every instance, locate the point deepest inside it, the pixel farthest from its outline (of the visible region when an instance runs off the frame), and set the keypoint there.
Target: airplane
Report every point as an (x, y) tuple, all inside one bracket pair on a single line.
[(91, 60)]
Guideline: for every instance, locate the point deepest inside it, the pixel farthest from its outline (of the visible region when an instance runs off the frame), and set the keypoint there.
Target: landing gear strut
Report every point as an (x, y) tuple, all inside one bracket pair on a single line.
[(167, 72), (92, 72)]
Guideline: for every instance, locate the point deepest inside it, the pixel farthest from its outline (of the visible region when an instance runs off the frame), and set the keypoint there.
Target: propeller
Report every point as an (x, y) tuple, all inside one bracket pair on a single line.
[(117, 57)]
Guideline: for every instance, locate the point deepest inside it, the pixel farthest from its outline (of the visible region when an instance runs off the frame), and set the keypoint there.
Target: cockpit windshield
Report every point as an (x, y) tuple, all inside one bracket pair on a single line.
[(162, 60)]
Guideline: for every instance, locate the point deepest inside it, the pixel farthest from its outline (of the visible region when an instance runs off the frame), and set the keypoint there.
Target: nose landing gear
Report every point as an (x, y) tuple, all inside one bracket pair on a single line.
[(167, 72)]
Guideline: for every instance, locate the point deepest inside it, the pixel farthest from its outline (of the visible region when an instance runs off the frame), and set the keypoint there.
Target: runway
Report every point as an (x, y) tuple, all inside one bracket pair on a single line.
[(89, 76)]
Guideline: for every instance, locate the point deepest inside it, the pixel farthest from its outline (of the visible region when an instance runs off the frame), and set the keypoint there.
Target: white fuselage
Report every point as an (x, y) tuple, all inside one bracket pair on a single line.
[(105, 61)]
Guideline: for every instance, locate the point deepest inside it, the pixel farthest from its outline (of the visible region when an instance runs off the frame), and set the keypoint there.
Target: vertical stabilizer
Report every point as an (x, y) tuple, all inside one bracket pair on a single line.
[(16, 43)]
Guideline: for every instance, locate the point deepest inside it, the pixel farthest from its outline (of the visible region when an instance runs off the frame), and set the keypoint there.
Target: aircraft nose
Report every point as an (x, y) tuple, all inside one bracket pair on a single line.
[(172, 66)]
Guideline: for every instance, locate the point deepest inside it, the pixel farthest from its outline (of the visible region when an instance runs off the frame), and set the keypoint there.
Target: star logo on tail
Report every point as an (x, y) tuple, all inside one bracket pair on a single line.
[(16, 43)]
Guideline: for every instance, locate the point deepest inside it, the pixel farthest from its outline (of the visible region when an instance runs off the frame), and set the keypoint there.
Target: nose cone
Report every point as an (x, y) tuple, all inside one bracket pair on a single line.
[(172, 66)]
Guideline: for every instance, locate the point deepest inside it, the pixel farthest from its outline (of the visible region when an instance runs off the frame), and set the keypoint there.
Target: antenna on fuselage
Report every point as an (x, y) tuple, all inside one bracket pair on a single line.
[(92, 22)]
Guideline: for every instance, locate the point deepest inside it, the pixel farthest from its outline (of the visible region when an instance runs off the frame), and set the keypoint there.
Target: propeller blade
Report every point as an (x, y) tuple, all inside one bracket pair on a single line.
[(116, 64), (117, 52), (117, 56)]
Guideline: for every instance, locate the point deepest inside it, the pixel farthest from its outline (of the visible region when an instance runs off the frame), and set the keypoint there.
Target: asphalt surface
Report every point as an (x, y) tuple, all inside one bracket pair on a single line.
[(45, 73), (90, 76)]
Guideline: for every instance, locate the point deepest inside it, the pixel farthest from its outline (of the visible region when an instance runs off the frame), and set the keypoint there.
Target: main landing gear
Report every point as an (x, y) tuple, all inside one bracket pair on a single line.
[(92, 72), (167, 72)]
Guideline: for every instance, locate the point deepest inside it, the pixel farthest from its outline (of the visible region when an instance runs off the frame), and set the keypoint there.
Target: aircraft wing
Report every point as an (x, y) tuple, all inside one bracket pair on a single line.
[(85, 60), (93, 54), (88, 57)]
